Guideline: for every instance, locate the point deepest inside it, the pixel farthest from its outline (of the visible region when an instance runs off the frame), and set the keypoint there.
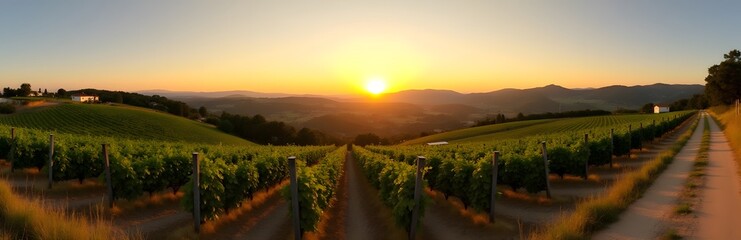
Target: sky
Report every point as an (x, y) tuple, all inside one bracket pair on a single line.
[(335, 47)]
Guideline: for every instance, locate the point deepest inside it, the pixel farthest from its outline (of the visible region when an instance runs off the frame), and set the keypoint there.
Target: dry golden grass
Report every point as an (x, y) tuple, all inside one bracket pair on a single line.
[(209, 228), (258, 200), (596, 212), (476, 217), (146, 201), (731, 124), (24, 219), (527, 197)]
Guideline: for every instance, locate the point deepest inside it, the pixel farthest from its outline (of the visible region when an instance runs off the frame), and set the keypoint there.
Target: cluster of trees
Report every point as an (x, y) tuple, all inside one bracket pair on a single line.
[(697, 101), (370, 139), (723, 83), (24, 90), (257, 129), (500, 118)]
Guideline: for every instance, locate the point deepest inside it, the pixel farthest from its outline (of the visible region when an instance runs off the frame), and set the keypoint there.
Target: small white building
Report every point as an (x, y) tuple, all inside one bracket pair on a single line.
[(660, 109), (437, 143), (84, 98)]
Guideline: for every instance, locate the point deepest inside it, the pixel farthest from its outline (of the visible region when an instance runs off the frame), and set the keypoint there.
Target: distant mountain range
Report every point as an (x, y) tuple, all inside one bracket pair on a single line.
[(553, 98), (413, 111)]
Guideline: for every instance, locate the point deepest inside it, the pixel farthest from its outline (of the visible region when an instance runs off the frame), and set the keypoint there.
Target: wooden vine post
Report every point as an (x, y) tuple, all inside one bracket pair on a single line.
[(586, 162), (421, 161), (612, 144), (494, 172), (630, 139), (545, 164), (294, 198), (640, 135), (51, 160), (109, 183), (11, 155), (196, 192)]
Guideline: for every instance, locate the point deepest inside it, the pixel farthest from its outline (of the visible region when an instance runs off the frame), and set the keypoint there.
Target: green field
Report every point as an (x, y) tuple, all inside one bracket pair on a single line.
[(541, 127), (118, 121), (476, 131)]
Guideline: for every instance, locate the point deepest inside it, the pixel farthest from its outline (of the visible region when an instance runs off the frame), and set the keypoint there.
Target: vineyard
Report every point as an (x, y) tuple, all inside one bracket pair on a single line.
[(231, 176), (546, 127), (465, 170), (120, 121)]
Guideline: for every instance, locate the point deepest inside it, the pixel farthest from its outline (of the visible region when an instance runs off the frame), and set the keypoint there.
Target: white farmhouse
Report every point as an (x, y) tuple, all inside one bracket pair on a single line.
[(437, 143), (84, 98), (660, 109)]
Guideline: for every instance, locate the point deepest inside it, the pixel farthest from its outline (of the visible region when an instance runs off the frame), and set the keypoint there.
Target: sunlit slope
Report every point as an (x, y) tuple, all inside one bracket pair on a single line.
[(475, 131), (119, 121), (478, 134)]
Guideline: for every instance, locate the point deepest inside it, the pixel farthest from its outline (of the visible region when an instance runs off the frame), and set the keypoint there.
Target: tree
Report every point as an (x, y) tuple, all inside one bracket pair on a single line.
[(501, 118), (45, 92), (679, 105), (61, 93), (699, 101), (118, 97), (647, 108), (305, 137), (724, 80), (9, 92), (368, 139), (202, 110), (226, 126), (520, 116), (25, 90)]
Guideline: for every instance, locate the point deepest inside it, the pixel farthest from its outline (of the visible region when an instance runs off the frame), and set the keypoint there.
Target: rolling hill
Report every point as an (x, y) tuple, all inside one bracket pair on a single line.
[(118, 121), (410, 112), (520, 129)]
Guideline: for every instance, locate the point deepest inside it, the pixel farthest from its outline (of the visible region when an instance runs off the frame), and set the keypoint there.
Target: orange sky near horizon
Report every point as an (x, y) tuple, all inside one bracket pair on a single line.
[(308, 47)]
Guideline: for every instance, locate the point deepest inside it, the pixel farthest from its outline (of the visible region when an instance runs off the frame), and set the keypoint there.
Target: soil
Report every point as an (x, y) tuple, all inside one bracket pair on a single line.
[(367, 217), (721, 195)]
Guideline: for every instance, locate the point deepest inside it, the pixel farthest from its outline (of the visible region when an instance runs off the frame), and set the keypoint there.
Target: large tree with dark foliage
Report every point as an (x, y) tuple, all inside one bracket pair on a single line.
[(25, 90), (61, 93), (369, 139), (724, 80), (647, 108)]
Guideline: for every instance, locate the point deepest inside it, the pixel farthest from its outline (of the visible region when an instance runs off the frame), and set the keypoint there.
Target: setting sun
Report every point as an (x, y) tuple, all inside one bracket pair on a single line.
[(375, 85)]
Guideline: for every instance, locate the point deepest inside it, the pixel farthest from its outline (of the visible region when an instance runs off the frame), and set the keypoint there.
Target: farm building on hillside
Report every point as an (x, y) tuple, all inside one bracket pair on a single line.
[(660, 109), (84, 98), (437, 143)]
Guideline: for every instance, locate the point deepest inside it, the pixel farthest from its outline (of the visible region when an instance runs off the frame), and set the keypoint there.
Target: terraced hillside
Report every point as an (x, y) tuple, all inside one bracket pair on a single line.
[(540, 127), (118, 121)]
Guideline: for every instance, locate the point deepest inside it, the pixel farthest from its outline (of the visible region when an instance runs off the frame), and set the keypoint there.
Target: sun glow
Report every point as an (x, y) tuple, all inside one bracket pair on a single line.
[(375, 85)]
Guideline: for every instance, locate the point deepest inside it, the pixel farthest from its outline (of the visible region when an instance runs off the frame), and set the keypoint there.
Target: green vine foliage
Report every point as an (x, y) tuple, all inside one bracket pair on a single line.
[(464, 170), (395, 180), (316, 187)]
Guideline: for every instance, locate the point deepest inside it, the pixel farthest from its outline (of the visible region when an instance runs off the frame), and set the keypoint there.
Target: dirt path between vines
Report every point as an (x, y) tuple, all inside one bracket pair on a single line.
[(366, 216), (721, 197), (645, 218)]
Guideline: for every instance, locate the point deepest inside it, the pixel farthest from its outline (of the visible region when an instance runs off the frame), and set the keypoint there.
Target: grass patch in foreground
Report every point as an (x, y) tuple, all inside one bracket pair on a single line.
[(23, 219), (726, 118), (671, 235), (684, 208), (597, 212)]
